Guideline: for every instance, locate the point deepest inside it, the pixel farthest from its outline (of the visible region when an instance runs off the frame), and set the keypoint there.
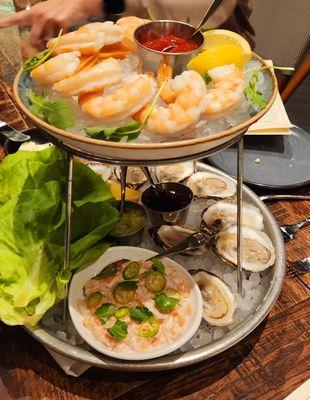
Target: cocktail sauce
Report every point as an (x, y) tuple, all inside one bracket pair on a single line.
[(180, 45)]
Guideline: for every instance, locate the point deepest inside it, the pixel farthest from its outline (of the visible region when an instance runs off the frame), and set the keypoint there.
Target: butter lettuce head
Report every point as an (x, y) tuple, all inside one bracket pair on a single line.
[(32, 225)]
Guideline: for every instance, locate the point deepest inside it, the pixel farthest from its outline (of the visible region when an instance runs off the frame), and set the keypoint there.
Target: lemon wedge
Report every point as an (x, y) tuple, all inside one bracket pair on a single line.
[(131, 195), (216, 37), (221, 47)]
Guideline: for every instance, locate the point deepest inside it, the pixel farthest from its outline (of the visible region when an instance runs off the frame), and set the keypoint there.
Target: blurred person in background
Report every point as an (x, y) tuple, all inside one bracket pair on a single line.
[(48, 17)]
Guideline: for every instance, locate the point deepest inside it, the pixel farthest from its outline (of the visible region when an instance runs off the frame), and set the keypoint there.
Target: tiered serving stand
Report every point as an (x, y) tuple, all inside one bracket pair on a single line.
[(138, 154)]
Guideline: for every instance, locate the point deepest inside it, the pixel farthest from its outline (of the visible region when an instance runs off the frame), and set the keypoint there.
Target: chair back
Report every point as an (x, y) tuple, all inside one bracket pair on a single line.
[(282, 30)]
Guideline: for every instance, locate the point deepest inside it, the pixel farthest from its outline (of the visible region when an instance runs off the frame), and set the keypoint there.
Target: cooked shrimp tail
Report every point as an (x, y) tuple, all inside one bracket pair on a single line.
[(226, 89), (124, 102), (185, 111)]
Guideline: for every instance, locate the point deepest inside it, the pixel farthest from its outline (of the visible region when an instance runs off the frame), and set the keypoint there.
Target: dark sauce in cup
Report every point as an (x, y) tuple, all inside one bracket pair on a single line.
[(169, 197)]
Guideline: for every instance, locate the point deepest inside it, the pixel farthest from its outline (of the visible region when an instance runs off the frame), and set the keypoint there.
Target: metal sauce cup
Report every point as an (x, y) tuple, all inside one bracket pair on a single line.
[(153, 202), (161, 29), (135, 237)]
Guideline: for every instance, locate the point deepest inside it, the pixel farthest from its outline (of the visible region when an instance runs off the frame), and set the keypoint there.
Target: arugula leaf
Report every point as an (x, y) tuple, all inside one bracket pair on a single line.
[(56, 112), (115, 133), (158, 265), (207, 78), (165, 303), (109, 270), (41, 57), (105, 311), (139, 313), (253, 95), (118, 330)]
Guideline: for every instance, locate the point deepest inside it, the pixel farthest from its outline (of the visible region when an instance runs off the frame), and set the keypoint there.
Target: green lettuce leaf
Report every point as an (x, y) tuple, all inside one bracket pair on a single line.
[(32, 225)]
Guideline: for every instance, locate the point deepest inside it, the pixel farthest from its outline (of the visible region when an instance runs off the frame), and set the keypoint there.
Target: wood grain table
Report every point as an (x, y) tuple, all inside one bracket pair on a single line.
[(269, 364)]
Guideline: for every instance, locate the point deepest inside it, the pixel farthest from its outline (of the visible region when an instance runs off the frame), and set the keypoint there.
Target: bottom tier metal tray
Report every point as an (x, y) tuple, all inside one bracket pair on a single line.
[(202, 348)]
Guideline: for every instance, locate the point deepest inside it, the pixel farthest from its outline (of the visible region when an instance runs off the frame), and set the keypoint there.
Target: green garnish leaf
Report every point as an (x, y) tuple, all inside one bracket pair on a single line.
[(41, 57), (56, 112), (165, 303), (253, 95), (118, 330), (115, 133), (158, 265), (139, 313), (109, 270), (207, 78), (105, 311), (188, 20)]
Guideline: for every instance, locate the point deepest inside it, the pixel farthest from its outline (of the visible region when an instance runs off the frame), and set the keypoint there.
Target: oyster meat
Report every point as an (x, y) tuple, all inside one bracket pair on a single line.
[(167, 236), (206, 184), (218, 300), (258, 251), (174, 172), (223, 213), (135, 176)]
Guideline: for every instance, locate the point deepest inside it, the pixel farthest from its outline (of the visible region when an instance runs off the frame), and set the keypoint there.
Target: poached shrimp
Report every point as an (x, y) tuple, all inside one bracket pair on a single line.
[(56, 68), (105, 73), (189, 99), (225, 90), (123, 103), (88, 39), (128, 25)]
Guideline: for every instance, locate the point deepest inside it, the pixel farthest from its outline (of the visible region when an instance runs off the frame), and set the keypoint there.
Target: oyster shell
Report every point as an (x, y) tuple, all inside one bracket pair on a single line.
[(135, 176), (105, 171), (206, 184), (258, 251), (223, 213), (174, 172), (218, 300), (167, 236)]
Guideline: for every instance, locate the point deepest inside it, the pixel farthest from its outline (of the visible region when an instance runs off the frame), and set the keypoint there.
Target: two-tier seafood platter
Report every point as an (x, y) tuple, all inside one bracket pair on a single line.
[(142, 93)]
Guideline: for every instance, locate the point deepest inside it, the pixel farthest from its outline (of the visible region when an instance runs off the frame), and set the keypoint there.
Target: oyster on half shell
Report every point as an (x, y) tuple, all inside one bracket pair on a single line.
[(135, 177), (223, 213), (258, 251), (174, 172), (207, 184), (218, 300), (167, 236)]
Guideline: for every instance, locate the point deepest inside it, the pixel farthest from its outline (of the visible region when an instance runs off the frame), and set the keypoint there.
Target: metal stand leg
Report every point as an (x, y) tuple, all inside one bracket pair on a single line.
[(239, 215), (68, 228), (123, 188)]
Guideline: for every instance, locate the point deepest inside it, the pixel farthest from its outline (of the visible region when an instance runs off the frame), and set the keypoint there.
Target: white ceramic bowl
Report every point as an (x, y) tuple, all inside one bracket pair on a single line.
[(134, 254)]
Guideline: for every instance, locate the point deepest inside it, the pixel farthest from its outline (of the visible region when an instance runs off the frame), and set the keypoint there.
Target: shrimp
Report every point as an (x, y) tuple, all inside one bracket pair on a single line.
[(164, 73), (128, 25), (105, 73), (124, 102), (56, 68), (226, 89), (190, 91), (88, 39)]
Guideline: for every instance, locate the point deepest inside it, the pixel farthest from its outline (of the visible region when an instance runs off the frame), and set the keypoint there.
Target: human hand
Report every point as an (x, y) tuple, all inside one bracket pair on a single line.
[(48, 17)]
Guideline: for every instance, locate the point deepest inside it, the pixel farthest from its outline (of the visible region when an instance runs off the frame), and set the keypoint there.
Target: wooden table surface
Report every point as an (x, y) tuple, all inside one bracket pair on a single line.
[(269, 364)]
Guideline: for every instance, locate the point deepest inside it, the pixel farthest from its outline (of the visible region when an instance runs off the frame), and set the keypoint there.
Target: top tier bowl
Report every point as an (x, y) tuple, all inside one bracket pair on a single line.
[(140, 153)]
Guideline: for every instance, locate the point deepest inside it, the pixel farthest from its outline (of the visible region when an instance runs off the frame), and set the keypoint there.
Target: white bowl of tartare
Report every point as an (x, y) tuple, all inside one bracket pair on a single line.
[(132, 309)]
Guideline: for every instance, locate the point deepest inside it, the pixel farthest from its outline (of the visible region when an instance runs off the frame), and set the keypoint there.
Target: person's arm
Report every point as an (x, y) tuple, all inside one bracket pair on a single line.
[(48, 17)]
